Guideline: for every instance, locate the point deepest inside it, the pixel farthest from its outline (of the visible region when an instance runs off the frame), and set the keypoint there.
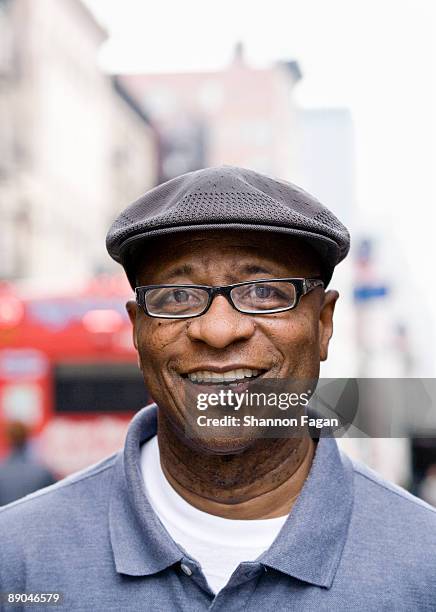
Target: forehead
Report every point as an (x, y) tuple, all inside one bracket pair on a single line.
[(226, 248)]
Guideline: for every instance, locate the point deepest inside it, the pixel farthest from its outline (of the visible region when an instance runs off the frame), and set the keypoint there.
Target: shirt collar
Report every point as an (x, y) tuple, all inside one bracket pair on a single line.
[(140, 544), (308, 547), (310, 544)]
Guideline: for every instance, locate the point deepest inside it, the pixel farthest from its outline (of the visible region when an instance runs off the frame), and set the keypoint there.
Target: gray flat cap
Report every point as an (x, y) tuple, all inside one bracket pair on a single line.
[(228, 198)]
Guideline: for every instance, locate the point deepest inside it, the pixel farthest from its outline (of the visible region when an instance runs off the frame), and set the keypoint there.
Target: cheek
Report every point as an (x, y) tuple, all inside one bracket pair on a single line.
[(296, 337), (157, 340)]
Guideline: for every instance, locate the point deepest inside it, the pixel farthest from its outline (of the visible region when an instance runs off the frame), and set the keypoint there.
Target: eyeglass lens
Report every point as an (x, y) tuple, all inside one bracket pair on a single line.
[(191, 301), (258, 297), (176, 301)]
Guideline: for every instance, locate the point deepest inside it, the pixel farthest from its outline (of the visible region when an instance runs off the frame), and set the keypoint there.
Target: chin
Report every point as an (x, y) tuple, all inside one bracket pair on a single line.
[(230, 439), (224, 445)]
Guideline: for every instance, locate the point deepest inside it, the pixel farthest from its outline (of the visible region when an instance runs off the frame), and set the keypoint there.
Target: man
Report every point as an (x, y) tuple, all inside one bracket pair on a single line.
[(230, 269), (20, 474)]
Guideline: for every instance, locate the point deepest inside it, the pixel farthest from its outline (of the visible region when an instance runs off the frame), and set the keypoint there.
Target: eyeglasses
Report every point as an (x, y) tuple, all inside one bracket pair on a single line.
[(258, 297)]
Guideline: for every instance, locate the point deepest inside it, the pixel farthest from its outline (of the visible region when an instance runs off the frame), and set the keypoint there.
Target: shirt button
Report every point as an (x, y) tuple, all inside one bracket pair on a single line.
[(187, 570)]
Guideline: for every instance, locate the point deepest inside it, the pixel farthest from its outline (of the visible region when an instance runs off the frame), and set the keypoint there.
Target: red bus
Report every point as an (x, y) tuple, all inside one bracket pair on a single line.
[(68, 370)]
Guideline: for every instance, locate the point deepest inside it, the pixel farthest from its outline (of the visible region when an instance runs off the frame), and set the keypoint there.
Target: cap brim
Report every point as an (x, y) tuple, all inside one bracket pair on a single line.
[(327, 249)]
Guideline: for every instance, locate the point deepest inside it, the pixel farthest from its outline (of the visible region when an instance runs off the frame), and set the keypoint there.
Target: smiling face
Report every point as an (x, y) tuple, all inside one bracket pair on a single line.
[(224, 344)]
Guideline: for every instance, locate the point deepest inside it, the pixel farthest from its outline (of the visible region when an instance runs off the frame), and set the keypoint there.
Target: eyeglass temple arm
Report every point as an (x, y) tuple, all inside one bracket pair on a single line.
[(312, 283)]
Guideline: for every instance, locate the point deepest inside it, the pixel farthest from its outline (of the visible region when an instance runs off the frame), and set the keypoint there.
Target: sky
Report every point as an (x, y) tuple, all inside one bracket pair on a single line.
[(375, 57)]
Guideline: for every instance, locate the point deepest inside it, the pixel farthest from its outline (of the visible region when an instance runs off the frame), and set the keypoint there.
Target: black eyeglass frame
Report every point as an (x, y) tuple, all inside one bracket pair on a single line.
[(301, 285)]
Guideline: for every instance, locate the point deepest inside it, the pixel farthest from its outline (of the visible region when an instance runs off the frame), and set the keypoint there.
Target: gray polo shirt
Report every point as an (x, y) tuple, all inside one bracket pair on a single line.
[(352, 542)]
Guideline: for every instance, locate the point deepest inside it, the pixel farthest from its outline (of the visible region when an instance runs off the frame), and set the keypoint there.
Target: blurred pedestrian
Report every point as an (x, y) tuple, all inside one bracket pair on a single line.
[(20, 473), (427, 488)]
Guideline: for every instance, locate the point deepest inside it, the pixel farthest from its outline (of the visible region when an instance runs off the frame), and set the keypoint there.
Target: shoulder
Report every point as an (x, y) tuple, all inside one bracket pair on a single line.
[(388, 494), (391, 540), (47, 532), (386, 514)]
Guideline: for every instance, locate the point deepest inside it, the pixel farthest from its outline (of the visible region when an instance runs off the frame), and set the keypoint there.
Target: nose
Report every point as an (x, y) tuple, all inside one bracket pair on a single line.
[(221, 325)]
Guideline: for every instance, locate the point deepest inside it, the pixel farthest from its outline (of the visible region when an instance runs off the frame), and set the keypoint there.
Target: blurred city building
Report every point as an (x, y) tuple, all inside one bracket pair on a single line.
[(242, 116), (326, 158), (75, 148), (325, 167)]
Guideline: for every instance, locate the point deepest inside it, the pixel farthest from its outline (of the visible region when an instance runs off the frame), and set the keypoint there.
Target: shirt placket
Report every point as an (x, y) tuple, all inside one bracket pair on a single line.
[(237, 592)]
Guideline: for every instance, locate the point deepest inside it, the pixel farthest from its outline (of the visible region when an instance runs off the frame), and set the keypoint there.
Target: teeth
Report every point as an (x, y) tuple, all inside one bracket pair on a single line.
[(216, 377)]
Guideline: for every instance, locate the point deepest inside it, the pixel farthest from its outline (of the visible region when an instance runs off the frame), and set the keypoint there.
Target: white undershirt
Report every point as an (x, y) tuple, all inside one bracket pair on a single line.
[(218, 544)]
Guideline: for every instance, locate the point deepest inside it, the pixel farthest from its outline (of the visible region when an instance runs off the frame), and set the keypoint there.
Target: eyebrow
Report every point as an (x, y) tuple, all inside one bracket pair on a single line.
[(255, 269), (183, 270), (187, 270)]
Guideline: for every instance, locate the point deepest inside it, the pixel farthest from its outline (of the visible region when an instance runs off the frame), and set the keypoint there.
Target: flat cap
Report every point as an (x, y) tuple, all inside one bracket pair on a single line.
[(228, 197)]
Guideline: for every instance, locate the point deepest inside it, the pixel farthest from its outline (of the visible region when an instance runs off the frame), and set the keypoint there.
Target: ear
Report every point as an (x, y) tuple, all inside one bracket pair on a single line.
[(326, 322), (132, 311)]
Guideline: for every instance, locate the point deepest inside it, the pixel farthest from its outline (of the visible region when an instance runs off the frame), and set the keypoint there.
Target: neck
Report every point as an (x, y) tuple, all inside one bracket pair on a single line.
[(261, 482)]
